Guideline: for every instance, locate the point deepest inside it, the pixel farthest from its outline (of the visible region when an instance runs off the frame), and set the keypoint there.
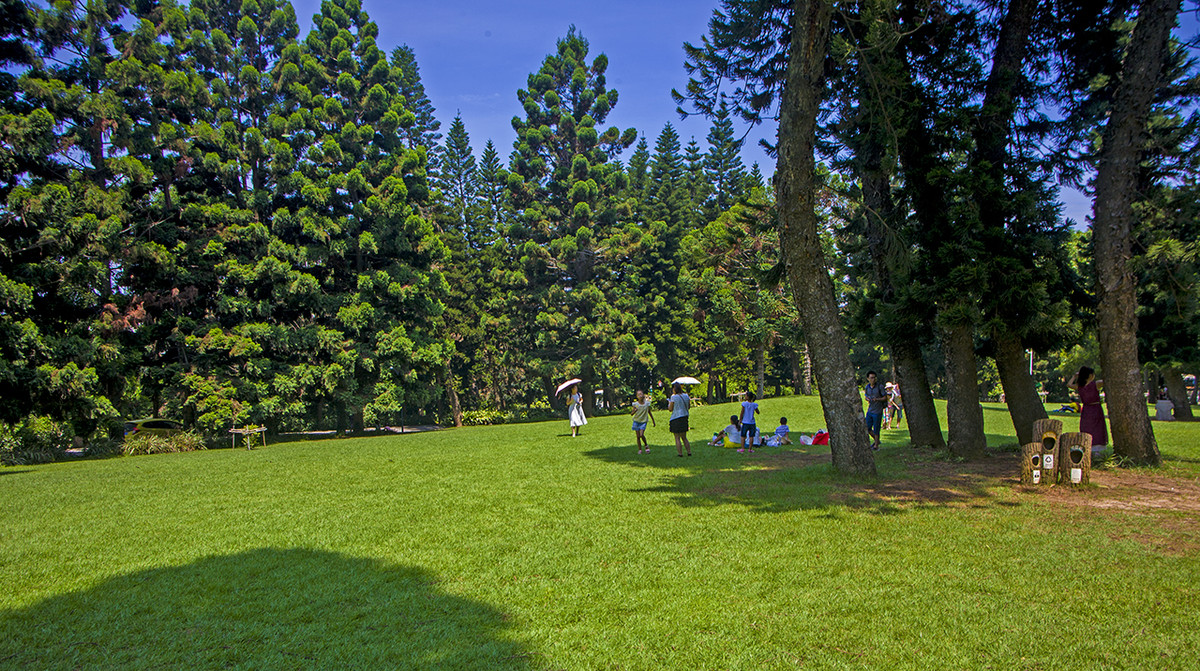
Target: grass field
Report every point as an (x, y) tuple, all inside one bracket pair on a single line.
[(518, 547)]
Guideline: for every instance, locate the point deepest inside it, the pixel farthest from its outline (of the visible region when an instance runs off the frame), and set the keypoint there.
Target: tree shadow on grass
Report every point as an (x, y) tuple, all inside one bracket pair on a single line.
[(5, 471), (778, 480), (262, 609)]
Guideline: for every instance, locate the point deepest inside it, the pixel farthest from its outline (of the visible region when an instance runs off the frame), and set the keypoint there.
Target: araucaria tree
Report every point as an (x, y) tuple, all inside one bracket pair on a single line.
[(775, 53), (563, 187)]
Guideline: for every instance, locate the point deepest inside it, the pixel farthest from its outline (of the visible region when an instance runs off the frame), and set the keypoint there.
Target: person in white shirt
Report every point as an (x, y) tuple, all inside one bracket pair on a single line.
[(641, 414), (730, 435), (679, 404)]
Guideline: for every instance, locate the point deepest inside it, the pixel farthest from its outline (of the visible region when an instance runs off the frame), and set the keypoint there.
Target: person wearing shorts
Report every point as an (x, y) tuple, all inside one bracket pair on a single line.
[(641, 414), (679, 405), (749, 425), (876, 402)]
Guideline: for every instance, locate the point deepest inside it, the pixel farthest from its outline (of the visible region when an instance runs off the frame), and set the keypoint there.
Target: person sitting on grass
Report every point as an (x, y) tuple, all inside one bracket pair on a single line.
[(729, 435), (782, 435), (641, 413)]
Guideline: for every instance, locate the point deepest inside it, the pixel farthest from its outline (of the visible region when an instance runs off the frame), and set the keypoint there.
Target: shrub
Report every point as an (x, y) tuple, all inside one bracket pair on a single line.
[(151, 444), (103, 447), (484, 417), (36, 440), (488, 417)]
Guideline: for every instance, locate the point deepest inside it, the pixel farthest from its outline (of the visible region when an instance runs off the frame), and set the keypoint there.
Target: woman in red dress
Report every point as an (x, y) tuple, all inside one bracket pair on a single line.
[(1091, 414)]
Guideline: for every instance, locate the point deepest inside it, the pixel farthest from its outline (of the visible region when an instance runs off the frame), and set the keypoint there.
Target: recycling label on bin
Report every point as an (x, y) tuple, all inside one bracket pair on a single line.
[(1048, 461), (1037, 476), (1076, 475)]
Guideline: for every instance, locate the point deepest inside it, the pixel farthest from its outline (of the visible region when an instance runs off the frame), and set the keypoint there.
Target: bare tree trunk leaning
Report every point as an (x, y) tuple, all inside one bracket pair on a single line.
[(924, 429), (964, 414), (1112, 223), (993, 133), (800, 240), (1024, 405)]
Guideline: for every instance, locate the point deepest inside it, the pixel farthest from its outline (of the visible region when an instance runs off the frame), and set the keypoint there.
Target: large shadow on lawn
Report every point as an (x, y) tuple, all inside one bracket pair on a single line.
[(264, 609), (798, 478)]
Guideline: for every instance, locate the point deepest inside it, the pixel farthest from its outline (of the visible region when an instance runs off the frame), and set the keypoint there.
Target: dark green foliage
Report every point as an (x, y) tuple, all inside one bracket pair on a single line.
[(723, 163), (423, 131), (186, 441), (564, 189), (34, 440)]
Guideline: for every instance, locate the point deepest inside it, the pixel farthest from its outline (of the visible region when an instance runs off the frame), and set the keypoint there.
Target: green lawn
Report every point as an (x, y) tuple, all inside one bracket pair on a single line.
[(519, 547)]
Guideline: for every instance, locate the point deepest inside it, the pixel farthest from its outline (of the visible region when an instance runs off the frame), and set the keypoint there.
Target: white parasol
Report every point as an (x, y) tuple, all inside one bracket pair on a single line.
[(567, 385), (685, 380)]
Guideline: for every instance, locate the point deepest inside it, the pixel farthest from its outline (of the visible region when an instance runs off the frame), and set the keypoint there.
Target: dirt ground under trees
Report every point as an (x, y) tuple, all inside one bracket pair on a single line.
[(1155, 508)]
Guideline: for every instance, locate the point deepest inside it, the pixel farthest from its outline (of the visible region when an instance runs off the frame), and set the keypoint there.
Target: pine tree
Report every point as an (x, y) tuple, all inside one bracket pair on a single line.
[(424, 131), (564, 187), (723, 163), (637, 172), (374, 258), (695, 182), (775, 52), (458, 179), (492, 190)]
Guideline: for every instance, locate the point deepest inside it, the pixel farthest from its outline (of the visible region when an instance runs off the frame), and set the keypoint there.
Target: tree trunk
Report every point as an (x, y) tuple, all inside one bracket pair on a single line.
[(555, 401), (1112, 224), (708, 396), (1024, 405), (452, 394), (924, 428), (964, 414), (1177, 392), (800, 240), (588, 375), (760, 369), (992, 133)]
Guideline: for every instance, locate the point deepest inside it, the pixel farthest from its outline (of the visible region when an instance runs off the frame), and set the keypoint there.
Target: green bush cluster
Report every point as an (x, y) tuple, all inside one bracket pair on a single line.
[(488, 417), (186, 441), (35, 440)]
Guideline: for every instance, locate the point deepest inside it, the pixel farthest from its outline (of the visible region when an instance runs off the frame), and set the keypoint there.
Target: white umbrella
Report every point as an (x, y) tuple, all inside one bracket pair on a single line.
[(566, 385), (685, 380)]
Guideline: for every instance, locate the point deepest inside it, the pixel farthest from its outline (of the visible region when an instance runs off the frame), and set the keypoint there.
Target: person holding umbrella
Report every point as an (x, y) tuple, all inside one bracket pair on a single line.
[(574, 404), (575, 411), (679, 404)]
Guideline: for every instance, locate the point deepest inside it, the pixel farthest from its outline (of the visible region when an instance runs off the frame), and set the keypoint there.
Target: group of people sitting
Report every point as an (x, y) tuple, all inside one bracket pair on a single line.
[(735, 435), (731, 436)]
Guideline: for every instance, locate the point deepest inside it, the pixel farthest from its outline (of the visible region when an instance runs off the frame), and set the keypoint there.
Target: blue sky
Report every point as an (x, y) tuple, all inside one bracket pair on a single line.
[(475, 54)]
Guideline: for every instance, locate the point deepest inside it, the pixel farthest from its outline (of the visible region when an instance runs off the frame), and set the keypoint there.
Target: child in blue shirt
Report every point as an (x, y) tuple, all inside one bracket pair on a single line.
[(749, 427), (782, 434)]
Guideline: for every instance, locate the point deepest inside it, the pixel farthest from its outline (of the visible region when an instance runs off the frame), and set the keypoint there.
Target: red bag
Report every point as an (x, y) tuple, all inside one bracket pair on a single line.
[(821, 438)]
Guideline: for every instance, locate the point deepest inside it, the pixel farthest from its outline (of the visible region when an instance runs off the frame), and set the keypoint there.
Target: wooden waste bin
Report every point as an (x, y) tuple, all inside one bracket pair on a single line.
[(1075, 462), (1032, 472), (1047, 432)]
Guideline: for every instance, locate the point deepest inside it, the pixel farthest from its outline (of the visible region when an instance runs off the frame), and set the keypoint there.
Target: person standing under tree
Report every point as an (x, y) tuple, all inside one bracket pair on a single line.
[(749, 424), (575, 411), (876, 402), (1091, 413), (641, 414), (679, 406)]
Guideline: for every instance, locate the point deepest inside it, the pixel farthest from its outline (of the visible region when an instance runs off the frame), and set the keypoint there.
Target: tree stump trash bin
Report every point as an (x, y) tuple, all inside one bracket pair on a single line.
[(1075, 463), (1048, 432), (1032, 472)]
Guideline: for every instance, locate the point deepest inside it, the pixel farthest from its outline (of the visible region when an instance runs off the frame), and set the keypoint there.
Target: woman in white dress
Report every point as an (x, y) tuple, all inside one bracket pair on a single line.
[(575, 411)]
